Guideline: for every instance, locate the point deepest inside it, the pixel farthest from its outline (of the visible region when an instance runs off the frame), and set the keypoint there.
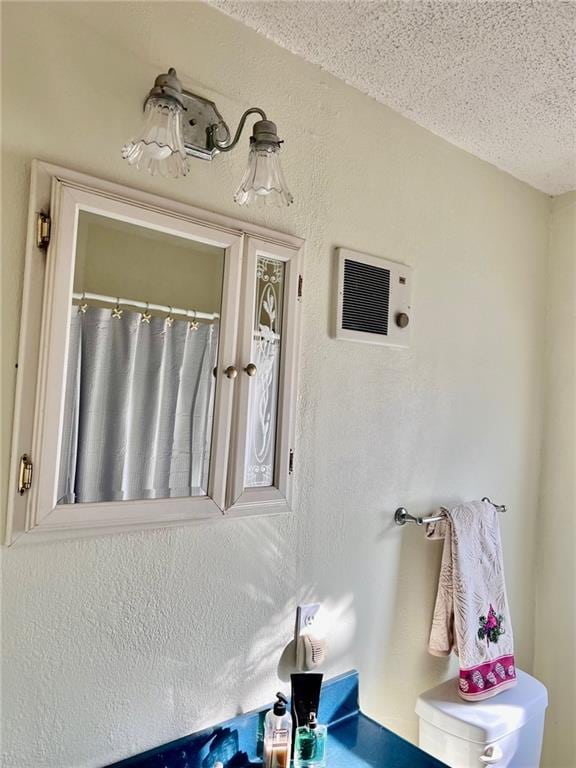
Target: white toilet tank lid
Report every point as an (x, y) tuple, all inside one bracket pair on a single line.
[(483, 721)]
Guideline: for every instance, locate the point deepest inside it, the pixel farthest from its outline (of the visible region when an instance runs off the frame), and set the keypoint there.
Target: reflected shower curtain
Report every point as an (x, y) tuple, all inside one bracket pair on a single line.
[(138, 408)]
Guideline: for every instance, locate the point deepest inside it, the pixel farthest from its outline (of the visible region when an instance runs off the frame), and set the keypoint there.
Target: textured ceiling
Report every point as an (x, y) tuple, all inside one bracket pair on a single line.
[(496, 78)]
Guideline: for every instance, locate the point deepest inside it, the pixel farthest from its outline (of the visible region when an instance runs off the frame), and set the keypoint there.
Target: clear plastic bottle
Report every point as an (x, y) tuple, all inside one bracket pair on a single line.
[(310, 745), (278, 735)]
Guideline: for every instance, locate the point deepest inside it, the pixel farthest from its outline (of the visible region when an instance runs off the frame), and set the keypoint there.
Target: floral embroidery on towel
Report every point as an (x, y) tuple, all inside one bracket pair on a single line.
[(491, 627)]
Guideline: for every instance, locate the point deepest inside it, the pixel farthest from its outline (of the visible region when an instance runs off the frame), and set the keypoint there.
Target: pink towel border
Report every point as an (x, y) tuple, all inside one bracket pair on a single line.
[(484, 680)]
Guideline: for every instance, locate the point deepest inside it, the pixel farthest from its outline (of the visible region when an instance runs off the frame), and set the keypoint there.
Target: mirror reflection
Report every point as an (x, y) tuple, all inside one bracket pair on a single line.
[(143, 344)]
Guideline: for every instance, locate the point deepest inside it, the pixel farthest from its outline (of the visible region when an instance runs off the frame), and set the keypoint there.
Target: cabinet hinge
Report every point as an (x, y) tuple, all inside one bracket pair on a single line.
[(291, 462), (300, 281), (25, 474), (43, 223)]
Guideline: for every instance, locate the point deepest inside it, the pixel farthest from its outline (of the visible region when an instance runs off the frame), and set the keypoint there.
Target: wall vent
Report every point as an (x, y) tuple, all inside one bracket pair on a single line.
[(373, 299)]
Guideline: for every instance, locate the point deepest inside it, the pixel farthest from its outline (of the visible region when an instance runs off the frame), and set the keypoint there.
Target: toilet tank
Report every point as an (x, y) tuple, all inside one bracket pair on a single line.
[(504, 731)]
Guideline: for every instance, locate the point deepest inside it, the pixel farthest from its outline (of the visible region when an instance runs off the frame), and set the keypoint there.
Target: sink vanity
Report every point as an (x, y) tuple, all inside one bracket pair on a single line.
[(354, 740)]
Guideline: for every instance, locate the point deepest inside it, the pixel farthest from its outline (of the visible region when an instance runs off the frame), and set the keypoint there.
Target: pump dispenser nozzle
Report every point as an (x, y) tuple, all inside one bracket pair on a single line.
[(280, 704)]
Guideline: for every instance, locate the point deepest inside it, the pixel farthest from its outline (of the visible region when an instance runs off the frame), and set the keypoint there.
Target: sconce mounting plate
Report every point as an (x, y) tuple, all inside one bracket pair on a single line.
[(199, 115)]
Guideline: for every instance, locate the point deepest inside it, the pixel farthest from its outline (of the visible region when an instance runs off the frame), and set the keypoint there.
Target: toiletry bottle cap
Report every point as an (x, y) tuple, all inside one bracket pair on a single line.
[(280, 704), (312, 722)]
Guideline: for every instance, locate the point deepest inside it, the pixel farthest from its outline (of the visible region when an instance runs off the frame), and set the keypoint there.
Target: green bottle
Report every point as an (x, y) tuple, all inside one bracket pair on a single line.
[(310, 744)]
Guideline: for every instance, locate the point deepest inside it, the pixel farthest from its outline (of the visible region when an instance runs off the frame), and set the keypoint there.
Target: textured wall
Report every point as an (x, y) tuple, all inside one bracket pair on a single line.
[(118, 643), (555, 604)]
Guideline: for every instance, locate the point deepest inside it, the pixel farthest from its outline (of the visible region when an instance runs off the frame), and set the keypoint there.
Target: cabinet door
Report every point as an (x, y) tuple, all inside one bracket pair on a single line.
[(129, 323), (263, 459)]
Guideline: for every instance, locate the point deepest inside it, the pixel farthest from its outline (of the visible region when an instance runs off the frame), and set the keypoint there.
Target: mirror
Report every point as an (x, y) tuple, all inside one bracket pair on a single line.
[(143, 345)]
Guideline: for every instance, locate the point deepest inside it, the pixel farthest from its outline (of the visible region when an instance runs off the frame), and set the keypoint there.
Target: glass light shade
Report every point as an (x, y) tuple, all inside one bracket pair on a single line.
[(263, 181), (159, 148)]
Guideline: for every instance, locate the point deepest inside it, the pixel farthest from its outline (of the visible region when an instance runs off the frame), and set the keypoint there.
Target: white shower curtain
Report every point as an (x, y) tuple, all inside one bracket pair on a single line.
[(138, 408)]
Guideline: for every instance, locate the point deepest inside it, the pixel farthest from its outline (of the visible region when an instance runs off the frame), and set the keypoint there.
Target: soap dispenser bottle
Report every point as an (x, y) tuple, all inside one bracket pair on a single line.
[(310, 744), (278, 735)]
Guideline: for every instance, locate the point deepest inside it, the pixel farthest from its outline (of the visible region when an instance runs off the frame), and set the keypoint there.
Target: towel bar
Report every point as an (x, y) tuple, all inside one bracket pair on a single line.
[(402, 516)]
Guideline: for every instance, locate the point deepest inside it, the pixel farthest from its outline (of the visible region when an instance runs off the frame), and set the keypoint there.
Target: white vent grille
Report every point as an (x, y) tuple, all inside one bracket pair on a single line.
[(373, 299), (366, 298)]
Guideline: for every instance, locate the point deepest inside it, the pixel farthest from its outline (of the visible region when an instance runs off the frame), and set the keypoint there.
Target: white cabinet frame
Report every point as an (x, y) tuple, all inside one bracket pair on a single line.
[(44, 332)]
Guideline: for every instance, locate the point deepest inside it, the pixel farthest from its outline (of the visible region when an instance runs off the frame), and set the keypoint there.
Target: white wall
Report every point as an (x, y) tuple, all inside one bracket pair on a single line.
[(119, 643), (555, 615)]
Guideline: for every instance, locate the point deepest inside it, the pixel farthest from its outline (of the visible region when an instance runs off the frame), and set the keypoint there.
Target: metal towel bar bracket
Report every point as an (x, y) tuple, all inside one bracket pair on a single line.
[(402, 516)]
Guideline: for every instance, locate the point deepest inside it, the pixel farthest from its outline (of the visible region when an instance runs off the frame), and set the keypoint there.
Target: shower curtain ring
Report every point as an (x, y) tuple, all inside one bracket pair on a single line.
[(169, 319), (117, 311), (146, 316), (82, 306), (194, 322)]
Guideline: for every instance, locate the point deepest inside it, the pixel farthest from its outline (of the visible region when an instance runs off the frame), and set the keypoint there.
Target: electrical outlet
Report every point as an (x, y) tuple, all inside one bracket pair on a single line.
[(305, 619)]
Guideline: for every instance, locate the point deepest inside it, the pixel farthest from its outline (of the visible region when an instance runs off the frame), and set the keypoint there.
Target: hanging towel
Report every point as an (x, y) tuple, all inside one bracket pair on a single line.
[(471, 613)]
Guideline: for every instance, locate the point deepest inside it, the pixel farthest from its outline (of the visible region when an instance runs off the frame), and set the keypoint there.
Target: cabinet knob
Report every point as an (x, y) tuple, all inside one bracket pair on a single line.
[(231, 372), (251, 369)]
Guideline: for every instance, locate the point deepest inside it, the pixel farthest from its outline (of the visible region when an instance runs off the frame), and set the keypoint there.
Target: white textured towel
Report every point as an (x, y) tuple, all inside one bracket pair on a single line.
[(471, 614)]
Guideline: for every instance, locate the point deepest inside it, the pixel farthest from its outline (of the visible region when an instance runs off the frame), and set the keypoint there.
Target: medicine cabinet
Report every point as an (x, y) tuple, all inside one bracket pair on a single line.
[(157, 369)]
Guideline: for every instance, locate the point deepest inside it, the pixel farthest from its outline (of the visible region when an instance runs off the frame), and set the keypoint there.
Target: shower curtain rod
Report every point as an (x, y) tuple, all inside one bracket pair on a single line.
[(191, 314)]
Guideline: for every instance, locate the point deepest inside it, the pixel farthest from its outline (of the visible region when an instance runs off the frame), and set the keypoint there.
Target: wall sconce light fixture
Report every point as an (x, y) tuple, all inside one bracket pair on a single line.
[(179, 124)]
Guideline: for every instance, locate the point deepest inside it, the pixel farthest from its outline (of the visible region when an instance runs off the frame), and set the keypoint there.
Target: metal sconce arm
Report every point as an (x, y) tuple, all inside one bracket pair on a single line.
[(224, 146)]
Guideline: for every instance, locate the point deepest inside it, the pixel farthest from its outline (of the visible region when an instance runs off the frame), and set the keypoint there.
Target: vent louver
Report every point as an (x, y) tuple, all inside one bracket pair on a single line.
[(366, 298), (373, 299)]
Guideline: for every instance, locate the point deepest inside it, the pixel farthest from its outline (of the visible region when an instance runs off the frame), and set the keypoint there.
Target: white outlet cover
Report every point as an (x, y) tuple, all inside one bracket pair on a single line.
[(306, 616), (305, 621)]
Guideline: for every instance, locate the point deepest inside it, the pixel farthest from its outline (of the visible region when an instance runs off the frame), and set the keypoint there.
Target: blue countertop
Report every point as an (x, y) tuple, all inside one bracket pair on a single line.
[(354, 740)]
